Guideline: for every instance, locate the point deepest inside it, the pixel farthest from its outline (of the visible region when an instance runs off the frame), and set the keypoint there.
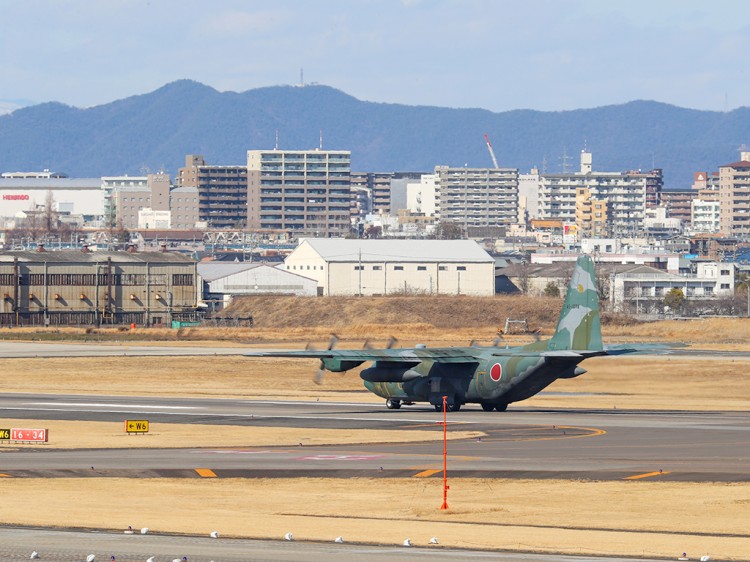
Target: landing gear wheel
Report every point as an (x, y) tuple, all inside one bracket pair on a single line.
[(438, 407), (454, 407), (487, 407), (501, 407), (393, 404)]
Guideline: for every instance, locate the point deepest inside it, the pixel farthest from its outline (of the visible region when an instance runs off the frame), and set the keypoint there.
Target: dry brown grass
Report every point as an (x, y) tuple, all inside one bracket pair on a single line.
[(615, 518), (107, 435)]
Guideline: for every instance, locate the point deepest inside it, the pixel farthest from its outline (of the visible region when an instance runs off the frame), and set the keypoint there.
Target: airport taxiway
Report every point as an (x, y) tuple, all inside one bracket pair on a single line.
[(522, 442)]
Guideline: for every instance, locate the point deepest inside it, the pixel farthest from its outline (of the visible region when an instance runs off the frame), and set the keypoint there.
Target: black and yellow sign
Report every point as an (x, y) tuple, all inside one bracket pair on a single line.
[(4, 434), (136, 426)]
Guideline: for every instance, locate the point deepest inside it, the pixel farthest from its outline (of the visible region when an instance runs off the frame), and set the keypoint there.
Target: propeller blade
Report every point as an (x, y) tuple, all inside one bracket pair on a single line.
[(497, 341), (332, 343), (367, 345), (391, 342), (318, 378), (473, 343)]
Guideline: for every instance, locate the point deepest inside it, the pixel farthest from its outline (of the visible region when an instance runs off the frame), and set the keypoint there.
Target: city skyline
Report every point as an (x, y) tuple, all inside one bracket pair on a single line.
[(499, 56)]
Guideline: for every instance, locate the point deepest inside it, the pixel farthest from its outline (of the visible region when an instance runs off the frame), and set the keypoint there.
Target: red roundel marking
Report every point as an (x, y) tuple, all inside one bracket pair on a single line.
[(496, 372)]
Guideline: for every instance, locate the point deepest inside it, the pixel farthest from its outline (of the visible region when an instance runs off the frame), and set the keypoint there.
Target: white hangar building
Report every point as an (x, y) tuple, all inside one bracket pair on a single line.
[(387, 267), (78, 196), (227, 279)]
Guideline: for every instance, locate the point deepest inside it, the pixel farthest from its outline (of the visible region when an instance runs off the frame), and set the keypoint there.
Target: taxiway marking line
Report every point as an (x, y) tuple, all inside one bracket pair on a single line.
[(427, 473), (205, 473), (646, 475)]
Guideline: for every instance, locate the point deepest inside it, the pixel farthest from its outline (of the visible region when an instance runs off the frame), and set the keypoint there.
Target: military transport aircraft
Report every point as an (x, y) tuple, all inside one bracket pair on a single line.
[(491, 376)]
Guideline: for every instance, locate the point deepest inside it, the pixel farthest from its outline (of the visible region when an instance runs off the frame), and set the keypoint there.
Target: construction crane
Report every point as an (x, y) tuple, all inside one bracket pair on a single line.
[(492, 152)]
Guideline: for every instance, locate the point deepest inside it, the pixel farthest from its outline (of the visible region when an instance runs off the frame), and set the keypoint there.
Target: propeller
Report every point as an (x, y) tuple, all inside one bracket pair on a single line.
[(318, 378), (391, 342)]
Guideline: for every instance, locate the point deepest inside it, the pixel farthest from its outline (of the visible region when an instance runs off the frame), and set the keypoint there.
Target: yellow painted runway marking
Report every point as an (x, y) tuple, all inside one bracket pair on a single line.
[(646, 475), (426, 473), (205, 473)]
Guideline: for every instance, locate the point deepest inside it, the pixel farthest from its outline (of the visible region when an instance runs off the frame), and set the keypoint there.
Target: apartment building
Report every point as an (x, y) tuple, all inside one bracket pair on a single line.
[(591, 215), (734, 197), (378, 184), (222, 191), (477, 197), (304, 191), (705, 216), (677, 203), (129, 199), (628, 195)]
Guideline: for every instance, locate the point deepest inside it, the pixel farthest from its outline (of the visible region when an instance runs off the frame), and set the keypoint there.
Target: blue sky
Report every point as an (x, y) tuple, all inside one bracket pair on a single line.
[(498, 55)]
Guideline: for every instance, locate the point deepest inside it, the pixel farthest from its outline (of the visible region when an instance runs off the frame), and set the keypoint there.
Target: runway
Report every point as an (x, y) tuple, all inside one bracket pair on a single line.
[(519, 443)]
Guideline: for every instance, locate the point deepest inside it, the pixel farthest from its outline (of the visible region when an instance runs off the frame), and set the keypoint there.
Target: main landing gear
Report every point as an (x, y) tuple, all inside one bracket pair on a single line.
[(393, 404), (449, 407), (488, 407)]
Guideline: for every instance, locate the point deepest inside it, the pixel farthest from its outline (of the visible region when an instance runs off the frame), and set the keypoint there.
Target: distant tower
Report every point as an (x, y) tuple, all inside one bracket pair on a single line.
[(301, 77), (585, 162), (565, 161)]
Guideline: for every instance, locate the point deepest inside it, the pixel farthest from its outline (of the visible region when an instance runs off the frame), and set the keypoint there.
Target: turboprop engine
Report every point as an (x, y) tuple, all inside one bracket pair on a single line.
[(393, 372), (339, 365), (571, 373)]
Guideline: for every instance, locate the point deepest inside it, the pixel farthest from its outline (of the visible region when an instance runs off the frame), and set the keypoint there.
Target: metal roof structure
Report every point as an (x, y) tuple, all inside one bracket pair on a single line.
[(213, 270), (78, 256), (348, 250), (50, 183)]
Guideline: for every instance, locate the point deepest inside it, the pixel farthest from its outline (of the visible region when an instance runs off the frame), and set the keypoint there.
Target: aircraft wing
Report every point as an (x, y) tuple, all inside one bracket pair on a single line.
[(418, 354), (400, 355)]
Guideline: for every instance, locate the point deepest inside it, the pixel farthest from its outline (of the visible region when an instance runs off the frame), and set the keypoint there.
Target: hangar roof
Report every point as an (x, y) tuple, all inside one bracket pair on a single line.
[(213, 270), (77, 256), (346, 250)]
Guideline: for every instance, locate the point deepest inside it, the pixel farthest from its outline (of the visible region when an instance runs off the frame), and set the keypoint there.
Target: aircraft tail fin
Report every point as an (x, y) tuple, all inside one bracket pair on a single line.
[(579, 326)]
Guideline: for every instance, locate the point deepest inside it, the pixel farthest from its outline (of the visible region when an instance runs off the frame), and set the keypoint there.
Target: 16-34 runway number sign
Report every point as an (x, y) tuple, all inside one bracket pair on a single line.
[(37, 435)]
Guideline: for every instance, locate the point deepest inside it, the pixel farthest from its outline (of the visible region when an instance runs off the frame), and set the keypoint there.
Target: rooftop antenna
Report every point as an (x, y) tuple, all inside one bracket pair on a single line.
[(301, 77), (276, 146), (544, 164), (320, 145)]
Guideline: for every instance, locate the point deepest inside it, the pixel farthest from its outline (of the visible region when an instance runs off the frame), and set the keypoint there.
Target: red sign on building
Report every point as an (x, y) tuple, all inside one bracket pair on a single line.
[(15, 197)]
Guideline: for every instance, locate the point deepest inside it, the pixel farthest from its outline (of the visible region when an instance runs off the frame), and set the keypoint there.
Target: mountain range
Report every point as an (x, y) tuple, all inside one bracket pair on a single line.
[(156, 130)]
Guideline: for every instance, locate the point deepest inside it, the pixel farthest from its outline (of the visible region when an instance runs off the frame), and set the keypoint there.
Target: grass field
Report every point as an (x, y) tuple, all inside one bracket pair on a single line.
[(609, 518)]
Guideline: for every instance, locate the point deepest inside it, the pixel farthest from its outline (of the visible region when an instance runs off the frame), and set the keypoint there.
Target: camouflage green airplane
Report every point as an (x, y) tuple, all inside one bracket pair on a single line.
[(490, 376)]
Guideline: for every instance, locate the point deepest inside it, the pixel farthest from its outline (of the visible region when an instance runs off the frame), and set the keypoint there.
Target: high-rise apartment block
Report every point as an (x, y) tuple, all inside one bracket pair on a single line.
[(303, 191), (222, 192), (477, 197), (627, 194), (734, 197), (378, 184)]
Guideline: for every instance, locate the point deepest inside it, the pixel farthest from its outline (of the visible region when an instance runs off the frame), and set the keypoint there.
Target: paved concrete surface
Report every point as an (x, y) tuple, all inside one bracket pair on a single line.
[(522, 442), (16, 545)]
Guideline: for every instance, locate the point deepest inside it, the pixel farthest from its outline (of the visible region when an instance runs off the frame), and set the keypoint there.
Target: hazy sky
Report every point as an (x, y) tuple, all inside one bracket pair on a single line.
[(498, 55)]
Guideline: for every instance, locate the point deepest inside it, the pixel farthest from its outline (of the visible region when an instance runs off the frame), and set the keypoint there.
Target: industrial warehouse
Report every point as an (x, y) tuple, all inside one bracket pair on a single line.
[(95, 288)]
